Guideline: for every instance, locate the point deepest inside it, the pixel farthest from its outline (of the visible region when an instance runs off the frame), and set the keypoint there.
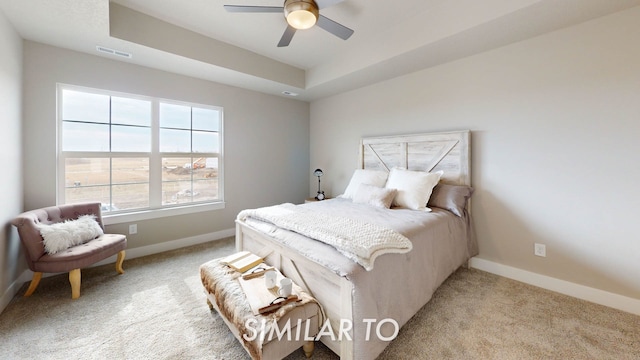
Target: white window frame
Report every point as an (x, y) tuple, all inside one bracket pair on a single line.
[(156, 209)]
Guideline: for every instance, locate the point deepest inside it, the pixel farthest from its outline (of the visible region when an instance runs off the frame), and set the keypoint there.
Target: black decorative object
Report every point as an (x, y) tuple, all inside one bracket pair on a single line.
[(320, 195)]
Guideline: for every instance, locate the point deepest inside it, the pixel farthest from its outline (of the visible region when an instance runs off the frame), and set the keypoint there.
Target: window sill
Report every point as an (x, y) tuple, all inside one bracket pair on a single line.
[(159, 213)]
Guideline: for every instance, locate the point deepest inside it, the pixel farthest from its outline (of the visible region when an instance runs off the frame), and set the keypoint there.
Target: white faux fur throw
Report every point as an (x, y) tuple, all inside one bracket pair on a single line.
[(61, 236), (360, 241)]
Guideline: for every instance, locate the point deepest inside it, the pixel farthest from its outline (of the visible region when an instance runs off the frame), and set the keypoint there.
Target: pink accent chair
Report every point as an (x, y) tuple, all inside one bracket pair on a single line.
[(72, 259)]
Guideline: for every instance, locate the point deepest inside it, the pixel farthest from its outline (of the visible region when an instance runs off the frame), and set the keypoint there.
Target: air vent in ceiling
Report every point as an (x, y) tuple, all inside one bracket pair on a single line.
[(113, 52)]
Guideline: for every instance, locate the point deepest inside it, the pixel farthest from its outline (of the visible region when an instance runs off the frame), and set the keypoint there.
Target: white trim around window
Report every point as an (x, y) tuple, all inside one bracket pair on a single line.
[(142, 157)]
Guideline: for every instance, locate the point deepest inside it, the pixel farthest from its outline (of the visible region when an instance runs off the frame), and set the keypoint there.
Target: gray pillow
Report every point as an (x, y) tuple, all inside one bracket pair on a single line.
[(450, 197)]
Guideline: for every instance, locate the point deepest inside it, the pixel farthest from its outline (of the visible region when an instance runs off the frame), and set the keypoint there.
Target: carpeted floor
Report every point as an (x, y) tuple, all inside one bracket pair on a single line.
[(157, 310)]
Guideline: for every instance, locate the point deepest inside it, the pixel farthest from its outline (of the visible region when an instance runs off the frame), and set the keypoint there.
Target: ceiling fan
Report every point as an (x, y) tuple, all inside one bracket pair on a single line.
[(300, 15)]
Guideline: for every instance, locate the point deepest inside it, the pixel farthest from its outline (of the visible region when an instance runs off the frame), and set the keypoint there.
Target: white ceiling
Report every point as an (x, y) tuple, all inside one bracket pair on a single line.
[(199, 38)]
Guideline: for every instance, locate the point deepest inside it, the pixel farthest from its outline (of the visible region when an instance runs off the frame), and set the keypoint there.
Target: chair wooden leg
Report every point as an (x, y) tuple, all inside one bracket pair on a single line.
[(119, 262), (308, 348), (37, 276), (74, 279)]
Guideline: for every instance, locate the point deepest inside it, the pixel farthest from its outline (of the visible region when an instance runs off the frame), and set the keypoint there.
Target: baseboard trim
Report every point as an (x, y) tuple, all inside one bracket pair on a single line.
[(597, 296), (27, 275), (13, 289), (171, 245)]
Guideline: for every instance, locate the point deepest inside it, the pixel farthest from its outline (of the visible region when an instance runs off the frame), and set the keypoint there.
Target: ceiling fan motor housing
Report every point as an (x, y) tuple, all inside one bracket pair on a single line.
[(301, 14)]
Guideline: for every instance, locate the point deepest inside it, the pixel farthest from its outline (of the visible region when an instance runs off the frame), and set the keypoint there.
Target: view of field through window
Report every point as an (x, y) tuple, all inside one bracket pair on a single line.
[(109, 158), (88, 179)]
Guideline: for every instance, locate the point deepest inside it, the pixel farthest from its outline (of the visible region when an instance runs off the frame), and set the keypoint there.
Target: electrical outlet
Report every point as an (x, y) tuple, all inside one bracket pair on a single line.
[(540, 250), (133, 229)]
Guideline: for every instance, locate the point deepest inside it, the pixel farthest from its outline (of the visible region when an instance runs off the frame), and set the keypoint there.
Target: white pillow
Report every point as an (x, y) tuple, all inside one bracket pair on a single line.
[(364, 176), (414, 187), (61, 236), (374, 195)]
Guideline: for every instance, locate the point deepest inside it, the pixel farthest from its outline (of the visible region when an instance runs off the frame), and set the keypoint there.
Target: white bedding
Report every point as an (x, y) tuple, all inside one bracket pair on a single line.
[(359, 240), (400, 284)]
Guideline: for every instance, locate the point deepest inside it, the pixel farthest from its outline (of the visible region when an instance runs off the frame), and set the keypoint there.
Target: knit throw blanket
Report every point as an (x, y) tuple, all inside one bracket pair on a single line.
[(359, 241)]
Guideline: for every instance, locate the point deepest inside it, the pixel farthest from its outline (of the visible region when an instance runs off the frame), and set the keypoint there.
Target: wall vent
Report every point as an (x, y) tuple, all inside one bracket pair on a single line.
[(113, 52)]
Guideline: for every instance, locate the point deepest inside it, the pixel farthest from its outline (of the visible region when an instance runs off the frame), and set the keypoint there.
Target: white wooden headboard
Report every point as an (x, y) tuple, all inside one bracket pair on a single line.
[(447, 151)]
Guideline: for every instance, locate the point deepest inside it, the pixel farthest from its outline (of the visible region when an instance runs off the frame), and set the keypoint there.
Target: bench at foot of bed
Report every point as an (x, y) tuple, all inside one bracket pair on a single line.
[(268, 336)]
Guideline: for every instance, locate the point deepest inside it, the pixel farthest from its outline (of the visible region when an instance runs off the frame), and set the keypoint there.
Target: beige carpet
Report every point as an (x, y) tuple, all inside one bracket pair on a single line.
[(157, 310)]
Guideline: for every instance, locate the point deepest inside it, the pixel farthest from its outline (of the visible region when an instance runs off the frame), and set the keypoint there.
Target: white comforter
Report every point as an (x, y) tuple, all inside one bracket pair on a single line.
[(358, 240)]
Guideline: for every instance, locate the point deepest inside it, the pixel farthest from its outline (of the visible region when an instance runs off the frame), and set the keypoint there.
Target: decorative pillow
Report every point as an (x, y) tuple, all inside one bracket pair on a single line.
[(374, 195), (451, 197), (414, 187), (364, 176), (61, 236)]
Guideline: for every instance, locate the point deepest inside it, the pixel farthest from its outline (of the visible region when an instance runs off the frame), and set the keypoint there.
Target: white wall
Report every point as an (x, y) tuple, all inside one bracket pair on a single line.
[(555, 126), (12, 263), (266, 138)]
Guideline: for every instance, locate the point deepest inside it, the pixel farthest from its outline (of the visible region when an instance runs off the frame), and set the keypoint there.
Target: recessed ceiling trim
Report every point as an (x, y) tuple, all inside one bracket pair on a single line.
[(130, 25)]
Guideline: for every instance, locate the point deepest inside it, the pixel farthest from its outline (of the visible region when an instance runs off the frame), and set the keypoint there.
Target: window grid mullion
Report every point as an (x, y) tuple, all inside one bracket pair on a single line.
[(155, 159), (110, 153), (192, 155)]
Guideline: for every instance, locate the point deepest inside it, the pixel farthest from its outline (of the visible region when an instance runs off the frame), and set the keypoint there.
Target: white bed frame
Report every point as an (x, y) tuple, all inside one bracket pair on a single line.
[(447, 151)]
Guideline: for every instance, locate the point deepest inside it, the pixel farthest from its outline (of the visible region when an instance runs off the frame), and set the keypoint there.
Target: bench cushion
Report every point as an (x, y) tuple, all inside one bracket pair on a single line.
[(226, 295)]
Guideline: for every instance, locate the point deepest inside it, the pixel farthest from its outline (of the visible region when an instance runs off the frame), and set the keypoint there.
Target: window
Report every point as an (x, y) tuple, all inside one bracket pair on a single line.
[(138, 154)]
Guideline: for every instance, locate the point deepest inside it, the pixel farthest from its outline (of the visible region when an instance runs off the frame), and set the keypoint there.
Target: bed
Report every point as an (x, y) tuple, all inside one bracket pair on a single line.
[(362, 307)]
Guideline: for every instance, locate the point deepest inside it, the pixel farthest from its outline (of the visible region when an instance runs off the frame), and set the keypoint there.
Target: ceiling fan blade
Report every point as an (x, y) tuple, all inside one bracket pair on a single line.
[(326, 3), (287, 36), (333, 27), (254, 9)]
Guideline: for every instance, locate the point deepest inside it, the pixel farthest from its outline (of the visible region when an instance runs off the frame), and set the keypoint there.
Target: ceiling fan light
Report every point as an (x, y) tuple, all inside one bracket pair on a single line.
[(301, 19), (301, 14)]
